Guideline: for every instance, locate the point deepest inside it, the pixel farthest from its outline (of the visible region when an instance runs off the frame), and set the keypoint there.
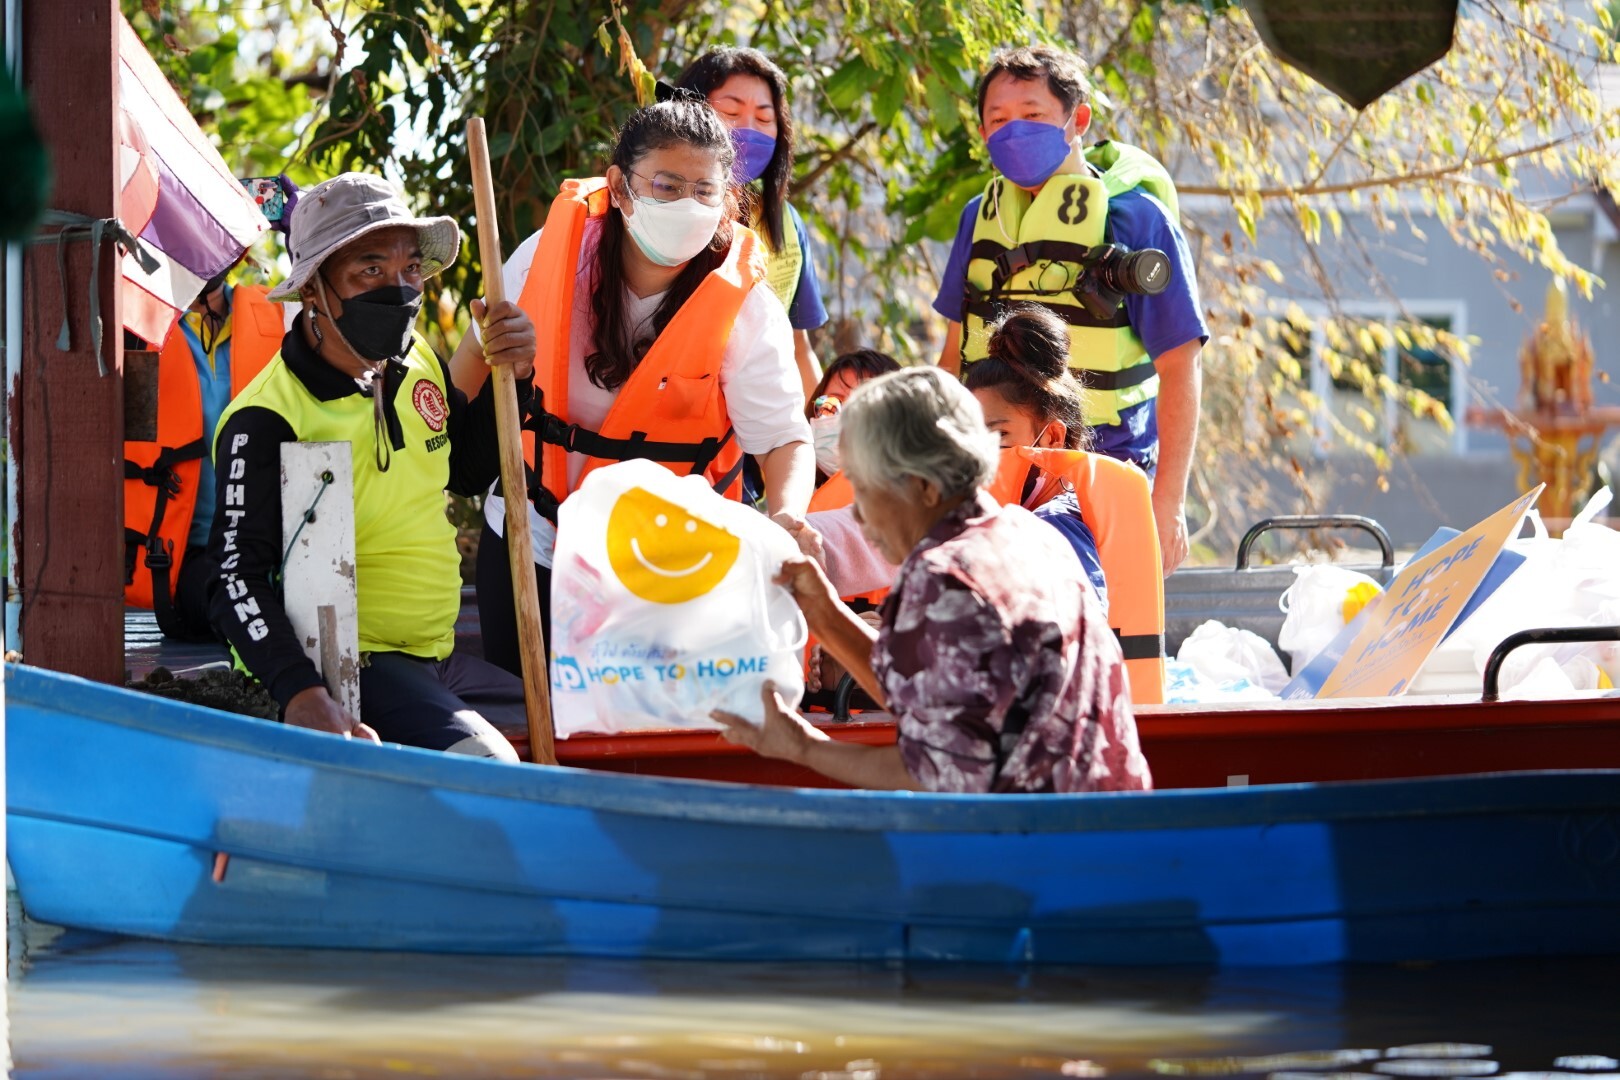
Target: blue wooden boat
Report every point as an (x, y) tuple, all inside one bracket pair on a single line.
[(136, 815)]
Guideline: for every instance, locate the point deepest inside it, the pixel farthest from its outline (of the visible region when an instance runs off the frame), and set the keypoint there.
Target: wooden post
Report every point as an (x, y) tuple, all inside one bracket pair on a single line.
[(68, 432), (514, 481), (318, 582)]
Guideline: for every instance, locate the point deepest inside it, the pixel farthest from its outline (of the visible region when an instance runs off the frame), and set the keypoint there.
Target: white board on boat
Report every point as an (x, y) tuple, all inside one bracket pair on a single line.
[(318, 577)]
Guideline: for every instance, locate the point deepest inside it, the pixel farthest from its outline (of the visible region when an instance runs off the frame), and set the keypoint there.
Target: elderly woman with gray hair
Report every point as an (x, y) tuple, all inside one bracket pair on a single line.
[(993, 654)]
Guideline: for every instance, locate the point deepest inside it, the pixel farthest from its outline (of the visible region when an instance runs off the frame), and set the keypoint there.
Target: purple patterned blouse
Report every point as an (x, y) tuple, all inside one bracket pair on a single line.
[(999, 665)]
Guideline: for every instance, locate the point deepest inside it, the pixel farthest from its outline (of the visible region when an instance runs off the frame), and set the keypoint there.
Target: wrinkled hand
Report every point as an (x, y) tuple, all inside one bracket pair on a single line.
[(315, 709), (804, 534), (1170, 515), (804, 578), (508, 336), (784, 734)]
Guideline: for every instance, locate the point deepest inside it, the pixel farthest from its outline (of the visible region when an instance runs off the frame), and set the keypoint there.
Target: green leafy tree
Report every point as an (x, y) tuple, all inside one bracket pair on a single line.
[(889, 151)]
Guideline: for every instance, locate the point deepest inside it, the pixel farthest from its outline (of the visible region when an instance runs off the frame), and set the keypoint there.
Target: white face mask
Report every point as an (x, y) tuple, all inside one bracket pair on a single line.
[(672, 233), (824, 437)]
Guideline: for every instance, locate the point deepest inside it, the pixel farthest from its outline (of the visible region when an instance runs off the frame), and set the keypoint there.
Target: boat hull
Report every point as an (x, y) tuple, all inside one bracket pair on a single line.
[(119, 805)]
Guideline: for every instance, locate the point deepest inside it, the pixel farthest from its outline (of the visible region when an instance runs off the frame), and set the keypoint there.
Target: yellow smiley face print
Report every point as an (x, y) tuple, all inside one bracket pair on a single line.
[(662, 553)]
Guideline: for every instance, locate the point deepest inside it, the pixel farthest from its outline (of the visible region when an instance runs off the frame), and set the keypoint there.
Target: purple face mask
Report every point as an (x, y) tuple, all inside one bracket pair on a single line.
[(754, 152), (1028, 152)]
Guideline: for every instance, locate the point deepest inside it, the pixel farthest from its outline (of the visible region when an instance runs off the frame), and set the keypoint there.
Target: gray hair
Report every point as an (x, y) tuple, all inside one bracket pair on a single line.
[(917, 422)]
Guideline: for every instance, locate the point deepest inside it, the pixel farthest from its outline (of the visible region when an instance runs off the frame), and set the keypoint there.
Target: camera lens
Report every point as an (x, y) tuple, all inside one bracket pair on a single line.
[(1145, 272)]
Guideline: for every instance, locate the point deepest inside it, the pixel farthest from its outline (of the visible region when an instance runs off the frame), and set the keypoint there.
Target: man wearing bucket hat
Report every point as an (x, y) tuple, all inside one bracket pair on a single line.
[(353, 369)]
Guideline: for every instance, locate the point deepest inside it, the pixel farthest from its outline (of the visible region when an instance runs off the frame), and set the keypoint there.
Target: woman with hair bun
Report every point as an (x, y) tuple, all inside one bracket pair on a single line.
[(1031, 397)]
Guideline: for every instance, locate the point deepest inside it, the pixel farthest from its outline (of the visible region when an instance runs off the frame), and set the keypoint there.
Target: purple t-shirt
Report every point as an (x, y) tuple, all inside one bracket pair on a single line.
[(1174, 317)]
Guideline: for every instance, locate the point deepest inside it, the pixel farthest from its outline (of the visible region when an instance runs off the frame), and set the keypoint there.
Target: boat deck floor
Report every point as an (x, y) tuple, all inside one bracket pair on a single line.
[(146, 648)]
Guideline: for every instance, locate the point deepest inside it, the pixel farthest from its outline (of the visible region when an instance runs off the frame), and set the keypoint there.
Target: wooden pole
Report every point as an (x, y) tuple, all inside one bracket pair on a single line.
[(514, 482), (67, 419)]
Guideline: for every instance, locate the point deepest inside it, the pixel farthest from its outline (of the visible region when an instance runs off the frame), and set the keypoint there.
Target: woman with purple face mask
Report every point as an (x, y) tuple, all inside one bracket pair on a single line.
[(750, 94)]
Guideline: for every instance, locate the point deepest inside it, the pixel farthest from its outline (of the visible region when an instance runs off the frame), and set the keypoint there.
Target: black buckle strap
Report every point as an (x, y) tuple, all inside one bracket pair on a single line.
[(555, 431), (160, 474), (990, 305), (732, 473), (544, 502), (1012, 260), (161, 477), (1140, 646), (1135, 375)]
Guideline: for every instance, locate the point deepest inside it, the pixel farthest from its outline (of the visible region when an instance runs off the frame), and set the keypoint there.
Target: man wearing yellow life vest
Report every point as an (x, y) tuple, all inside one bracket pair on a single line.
[(353, 369), (1031, 237)]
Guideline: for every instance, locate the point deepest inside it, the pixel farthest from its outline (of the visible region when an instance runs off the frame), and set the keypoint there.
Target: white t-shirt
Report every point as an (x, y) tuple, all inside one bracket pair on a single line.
[(759, 374)]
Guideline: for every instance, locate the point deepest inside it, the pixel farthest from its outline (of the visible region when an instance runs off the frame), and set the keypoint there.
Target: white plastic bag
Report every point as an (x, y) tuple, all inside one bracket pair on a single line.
[(1222, 655), (1572, 581), (1185, 685), (1320, 603), (662, 604)]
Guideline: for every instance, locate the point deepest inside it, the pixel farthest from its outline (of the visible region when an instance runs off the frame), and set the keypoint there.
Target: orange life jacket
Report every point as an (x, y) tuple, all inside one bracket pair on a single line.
[(160, 476), (834, 494), (1116, 501), (671, 410)]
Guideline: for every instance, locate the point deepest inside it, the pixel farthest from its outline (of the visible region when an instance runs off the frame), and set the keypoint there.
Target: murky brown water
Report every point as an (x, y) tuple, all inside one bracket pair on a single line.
[(89, 1006)]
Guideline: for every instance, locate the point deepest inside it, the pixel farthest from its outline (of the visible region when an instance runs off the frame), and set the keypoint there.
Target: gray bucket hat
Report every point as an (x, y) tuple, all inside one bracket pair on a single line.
[(347, 207)]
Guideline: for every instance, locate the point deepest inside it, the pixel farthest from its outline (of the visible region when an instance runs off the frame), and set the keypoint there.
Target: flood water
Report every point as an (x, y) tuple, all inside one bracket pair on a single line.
[(92, 1006)]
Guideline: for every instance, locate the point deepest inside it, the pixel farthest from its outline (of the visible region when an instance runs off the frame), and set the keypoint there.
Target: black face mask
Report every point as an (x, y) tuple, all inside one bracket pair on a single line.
[(377, 324)]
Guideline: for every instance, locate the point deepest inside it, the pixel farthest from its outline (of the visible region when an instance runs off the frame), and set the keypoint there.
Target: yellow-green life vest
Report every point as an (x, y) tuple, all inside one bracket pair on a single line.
[(1030, 249), (782, 268), (407, 569)]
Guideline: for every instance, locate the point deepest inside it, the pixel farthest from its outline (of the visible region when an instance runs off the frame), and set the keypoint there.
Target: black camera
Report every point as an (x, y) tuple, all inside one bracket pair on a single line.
[(1111, 272)]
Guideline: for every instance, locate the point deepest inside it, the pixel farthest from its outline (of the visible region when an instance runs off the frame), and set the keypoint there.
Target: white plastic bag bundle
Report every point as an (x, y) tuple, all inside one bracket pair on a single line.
[(1185, 685), (1320, 602), (1572, 581), (662, 604), (1224, 656)]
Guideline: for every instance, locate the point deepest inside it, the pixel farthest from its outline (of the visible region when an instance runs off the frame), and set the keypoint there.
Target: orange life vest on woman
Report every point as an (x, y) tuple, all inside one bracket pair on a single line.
[(671, 410), (1116, 501), (160, 476)]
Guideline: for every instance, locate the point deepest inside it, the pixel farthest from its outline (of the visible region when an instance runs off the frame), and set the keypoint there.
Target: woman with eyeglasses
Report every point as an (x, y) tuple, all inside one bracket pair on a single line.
[(750, 94), (659, 338)]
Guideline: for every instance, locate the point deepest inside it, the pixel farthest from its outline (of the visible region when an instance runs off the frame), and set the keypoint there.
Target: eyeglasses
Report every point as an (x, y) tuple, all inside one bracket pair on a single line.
[(667, 187)]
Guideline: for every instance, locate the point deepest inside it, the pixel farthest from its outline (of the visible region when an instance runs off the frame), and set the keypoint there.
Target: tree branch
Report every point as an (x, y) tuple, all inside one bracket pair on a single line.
[(815, 174), (1307, 190), (1120, 39)]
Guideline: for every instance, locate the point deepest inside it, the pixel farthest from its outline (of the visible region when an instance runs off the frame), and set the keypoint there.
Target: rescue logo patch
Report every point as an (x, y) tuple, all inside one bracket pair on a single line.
[(429, 402)]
